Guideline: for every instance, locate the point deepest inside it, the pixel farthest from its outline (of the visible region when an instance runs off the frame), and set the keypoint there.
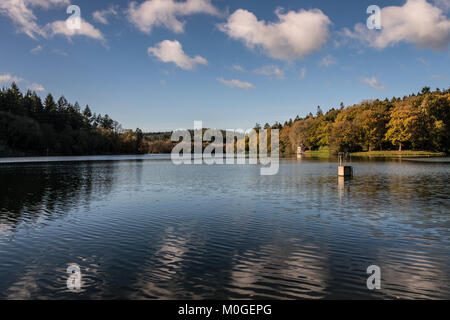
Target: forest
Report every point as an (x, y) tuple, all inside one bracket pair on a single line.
[(30, 127), (418, 121)]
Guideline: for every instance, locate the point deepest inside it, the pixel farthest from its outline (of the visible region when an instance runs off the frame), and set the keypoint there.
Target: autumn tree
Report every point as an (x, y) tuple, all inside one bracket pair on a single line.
[(299, 133), (345, 137), (373, 123), (402, 124)]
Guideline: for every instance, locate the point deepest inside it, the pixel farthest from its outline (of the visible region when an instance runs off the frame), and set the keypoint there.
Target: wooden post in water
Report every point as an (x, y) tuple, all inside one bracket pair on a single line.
[(344, 170)]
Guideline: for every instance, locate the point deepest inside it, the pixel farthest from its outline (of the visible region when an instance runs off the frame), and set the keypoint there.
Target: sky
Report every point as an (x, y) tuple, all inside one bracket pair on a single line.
[(162, 64)]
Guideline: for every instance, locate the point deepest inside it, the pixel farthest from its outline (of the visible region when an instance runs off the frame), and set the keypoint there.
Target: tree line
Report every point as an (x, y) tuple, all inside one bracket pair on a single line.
[(418, 122), (30, 126)]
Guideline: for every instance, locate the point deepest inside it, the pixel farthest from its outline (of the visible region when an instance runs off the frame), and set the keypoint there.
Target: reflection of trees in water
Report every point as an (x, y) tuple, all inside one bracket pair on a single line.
[(33, 192), (416, 194), (418, 200)]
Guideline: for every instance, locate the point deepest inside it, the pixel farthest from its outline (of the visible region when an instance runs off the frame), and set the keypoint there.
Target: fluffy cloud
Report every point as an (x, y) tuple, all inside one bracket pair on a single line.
[(8, 78), (270, 71), (36, 87), (373, 82), (417, 22), (172, 51), (101, 16), (22, 16), (236, 84), (443, 4), (166, 13), (21, 13), (296, 34), (60, 28)]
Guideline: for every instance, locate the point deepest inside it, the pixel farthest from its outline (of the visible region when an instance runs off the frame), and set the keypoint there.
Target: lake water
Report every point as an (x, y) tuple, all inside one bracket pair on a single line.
[(145, 228)]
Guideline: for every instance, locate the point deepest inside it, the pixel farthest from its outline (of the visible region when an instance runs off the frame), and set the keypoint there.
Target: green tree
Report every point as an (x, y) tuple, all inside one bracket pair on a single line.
[(49, 104)]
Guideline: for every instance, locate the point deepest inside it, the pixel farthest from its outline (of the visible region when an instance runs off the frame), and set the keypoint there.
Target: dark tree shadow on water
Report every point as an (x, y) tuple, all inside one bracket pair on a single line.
[(50, 191)]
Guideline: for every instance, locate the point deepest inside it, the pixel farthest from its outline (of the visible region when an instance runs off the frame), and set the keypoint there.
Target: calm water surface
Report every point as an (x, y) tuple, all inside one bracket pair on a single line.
[(145, 228)]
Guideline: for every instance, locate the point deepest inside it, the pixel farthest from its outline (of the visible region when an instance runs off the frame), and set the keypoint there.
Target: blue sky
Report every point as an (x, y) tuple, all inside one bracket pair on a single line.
[(225, 77)]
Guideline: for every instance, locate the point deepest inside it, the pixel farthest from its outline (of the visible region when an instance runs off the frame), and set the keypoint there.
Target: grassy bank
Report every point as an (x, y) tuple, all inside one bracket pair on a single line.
[(317, 154), (324, 153), (397, 154)]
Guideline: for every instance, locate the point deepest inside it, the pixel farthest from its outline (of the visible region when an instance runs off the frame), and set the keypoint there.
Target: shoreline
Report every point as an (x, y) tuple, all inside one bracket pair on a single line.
[(166, 156), (378, 154), (398, 154)]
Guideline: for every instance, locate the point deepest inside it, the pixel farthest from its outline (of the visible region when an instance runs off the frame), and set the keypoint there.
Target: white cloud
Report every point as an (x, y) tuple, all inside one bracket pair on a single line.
[(443, 4), (327, 61), (8, 78), (373, 82), (87, 29), (101, 16), (302, 73), (36, 50), (36, 87), (236, 84), (270, 71), (417, 22), (172, 51), (20, 12), (295, 35), (166, 13), (22, 16), (238, 68)]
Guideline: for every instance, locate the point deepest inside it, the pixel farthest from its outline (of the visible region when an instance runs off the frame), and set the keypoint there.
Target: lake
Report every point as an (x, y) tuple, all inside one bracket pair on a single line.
[(140, 227)]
